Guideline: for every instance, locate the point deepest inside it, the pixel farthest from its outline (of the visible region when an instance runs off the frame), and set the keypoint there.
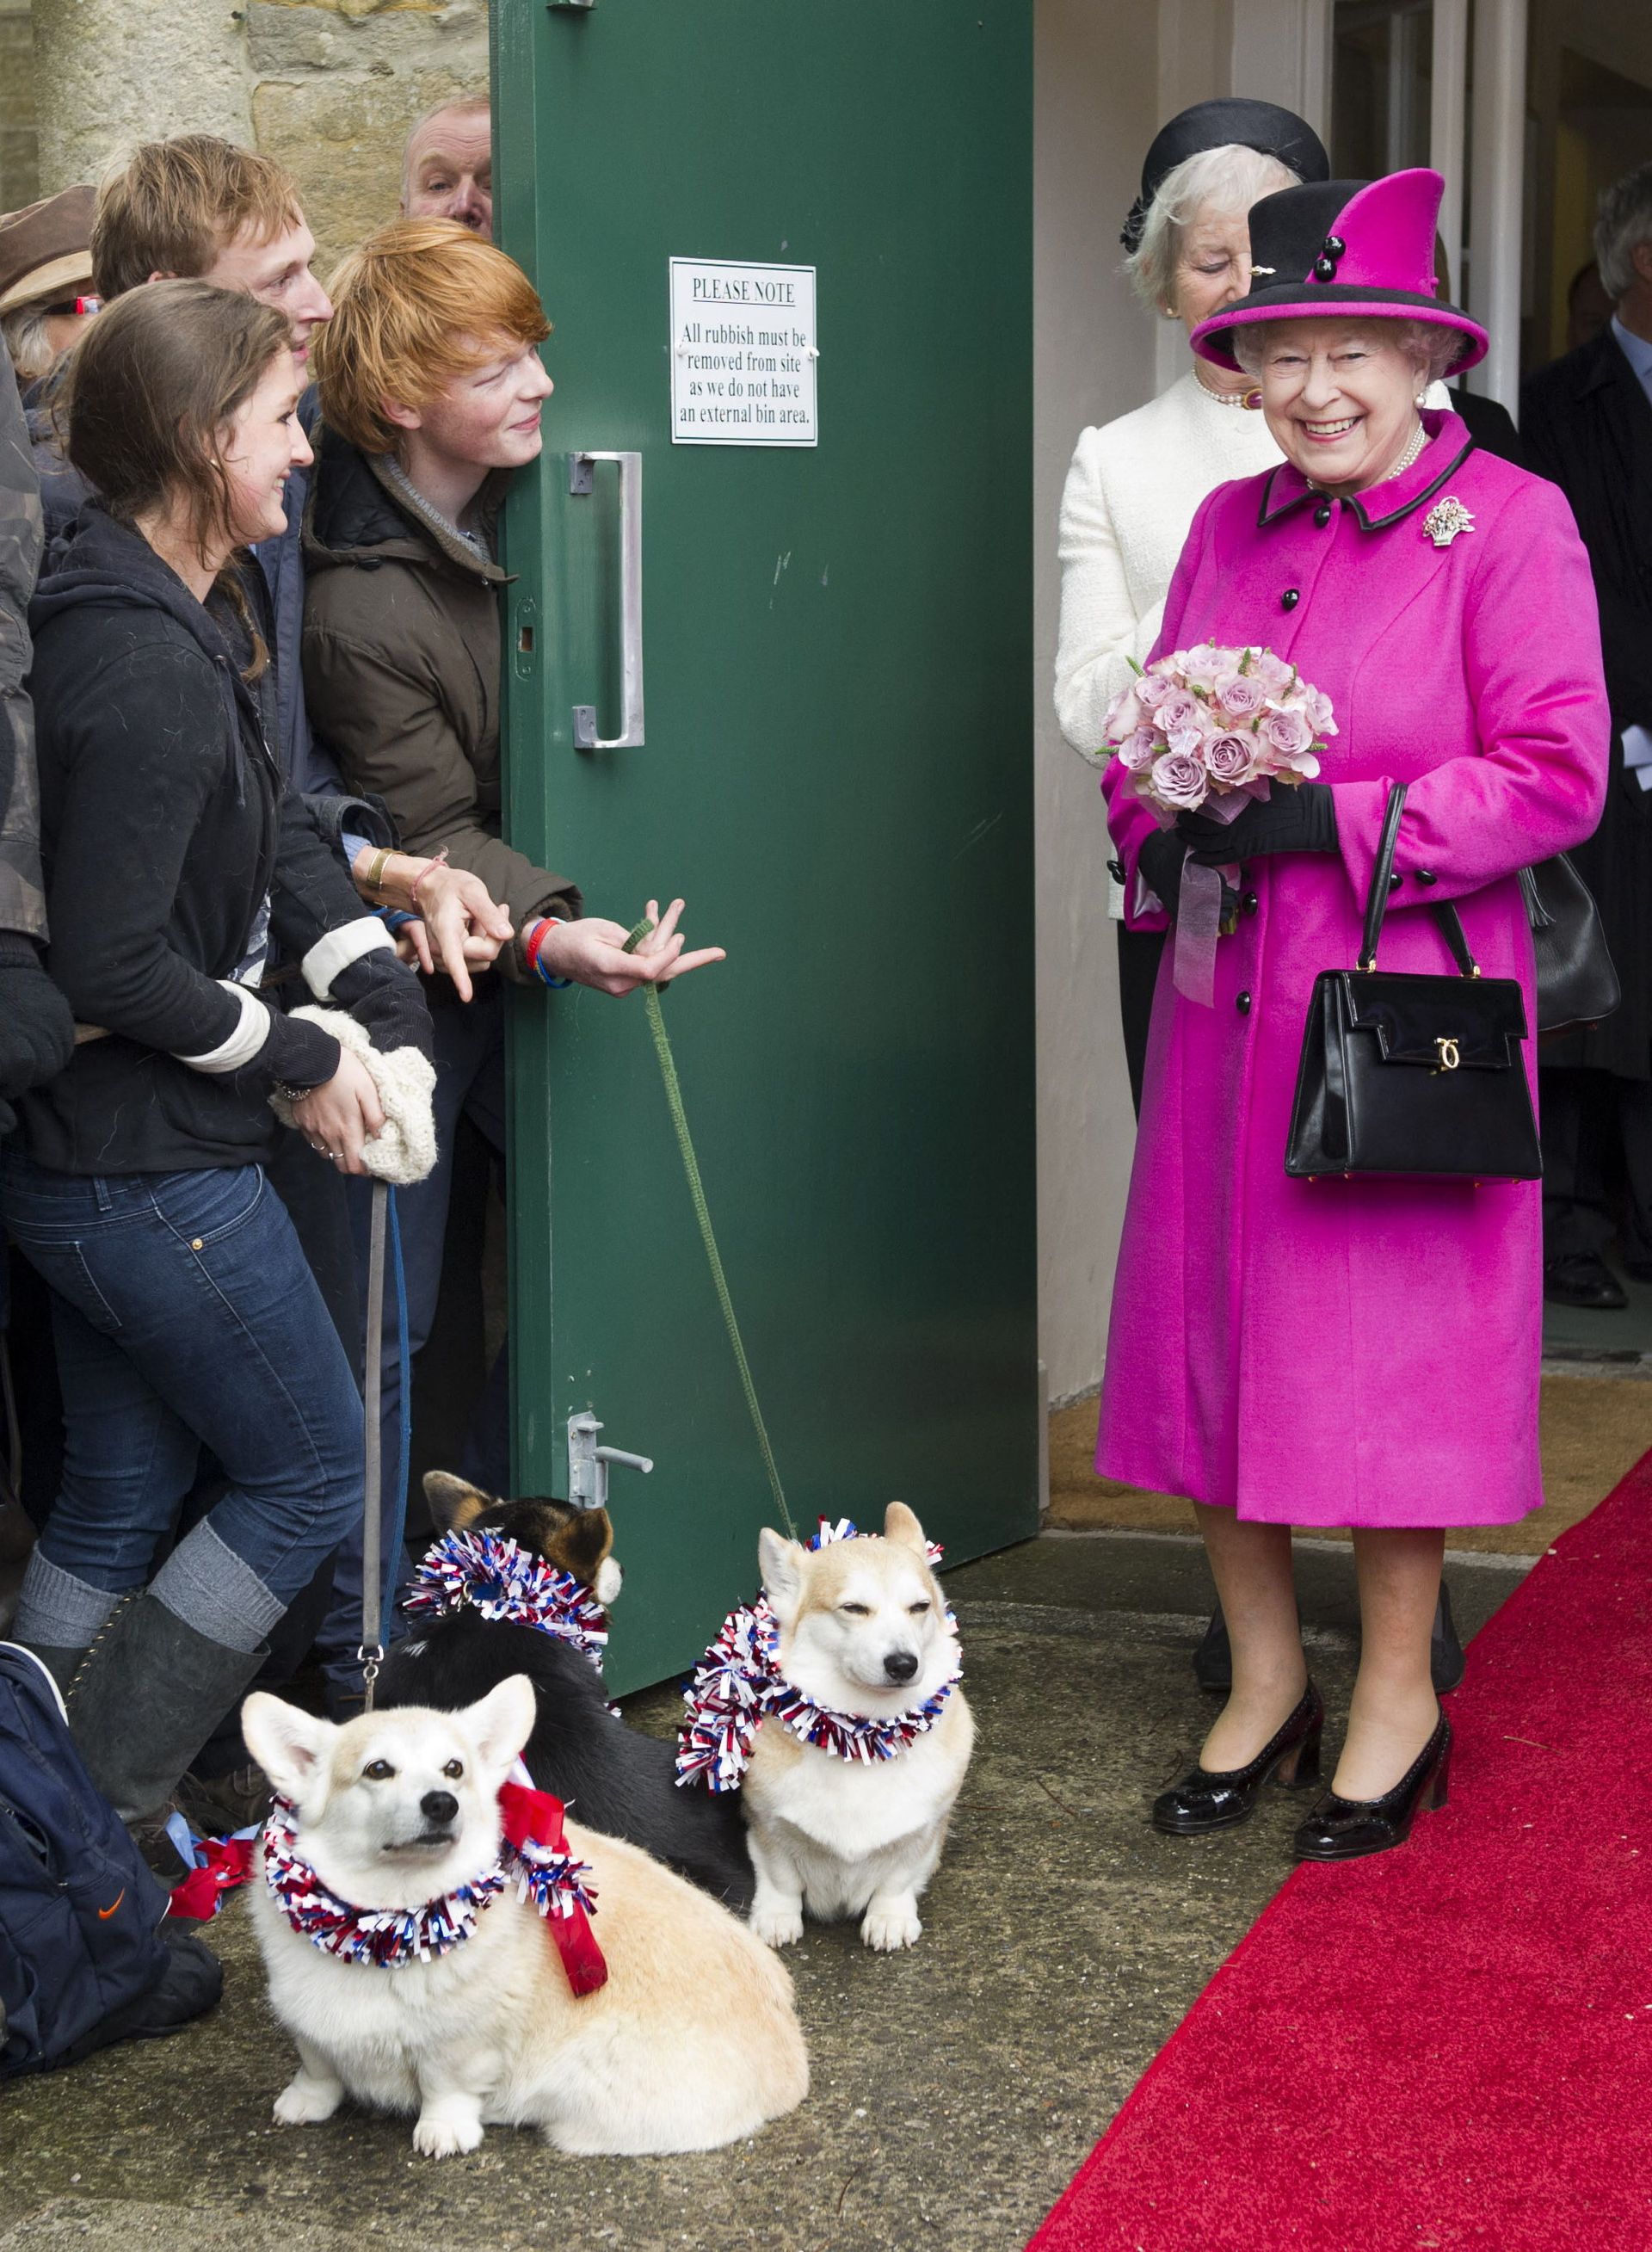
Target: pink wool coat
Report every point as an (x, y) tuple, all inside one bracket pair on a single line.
[(1357, 1352)]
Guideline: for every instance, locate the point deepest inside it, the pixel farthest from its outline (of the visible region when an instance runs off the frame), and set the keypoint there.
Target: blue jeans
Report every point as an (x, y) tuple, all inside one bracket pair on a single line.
[(184, 1315), (470, 1057)]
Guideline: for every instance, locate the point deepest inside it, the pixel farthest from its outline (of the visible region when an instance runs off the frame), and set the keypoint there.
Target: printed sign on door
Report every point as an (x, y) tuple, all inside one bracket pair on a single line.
[(743, 354)]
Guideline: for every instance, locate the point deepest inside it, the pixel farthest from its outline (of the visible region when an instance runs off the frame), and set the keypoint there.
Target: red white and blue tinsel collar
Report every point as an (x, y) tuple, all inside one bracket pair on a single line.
[(739, 1684), (534, 1860), (503, 1580)]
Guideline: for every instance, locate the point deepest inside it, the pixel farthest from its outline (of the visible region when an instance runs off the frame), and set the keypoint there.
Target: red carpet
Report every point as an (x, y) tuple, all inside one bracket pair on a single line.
[(1450, 2045)]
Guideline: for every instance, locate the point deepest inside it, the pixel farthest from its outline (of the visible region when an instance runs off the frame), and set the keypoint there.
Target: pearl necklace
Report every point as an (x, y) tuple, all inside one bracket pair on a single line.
[(1413, 453), (1251, 397)]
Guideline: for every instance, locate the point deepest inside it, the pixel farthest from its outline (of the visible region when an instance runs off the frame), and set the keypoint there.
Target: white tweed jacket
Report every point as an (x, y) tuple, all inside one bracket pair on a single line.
[(1131, 498)]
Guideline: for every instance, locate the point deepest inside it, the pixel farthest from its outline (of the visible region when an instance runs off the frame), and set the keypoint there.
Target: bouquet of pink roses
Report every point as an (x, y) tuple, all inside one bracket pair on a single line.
[(1217, 721)]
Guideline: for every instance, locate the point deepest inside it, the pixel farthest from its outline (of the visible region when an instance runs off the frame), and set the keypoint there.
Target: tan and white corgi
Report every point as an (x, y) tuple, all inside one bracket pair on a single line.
[(863, 1632), (692, 2042)]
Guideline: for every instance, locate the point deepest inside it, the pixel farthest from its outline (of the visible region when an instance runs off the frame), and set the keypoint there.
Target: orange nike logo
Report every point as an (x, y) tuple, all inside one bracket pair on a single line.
[(104, 1914)]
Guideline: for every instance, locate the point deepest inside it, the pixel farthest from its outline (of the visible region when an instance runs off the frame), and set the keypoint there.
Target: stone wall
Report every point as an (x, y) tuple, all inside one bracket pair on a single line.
[(19, 157), (336, 83), (329, 87)]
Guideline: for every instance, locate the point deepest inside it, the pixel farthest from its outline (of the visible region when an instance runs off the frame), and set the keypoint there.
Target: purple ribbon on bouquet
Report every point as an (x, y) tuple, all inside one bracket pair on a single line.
[(1199, 914)]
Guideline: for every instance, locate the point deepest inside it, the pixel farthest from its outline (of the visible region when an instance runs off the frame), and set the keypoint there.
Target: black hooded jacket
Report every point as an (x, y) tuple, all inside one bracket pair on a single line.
[(165, 825)]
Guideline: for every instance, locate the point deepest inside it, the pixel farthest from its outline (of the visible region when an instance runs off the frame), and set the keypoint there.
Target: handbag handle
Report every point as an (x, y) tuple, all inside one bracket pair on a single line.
[(1377, 900)]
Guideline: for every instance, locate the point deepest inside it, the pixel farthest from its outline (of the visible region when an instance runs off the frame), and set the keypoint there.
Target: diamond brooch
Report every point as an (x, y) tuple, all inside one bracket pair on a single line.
[(1445, 521)]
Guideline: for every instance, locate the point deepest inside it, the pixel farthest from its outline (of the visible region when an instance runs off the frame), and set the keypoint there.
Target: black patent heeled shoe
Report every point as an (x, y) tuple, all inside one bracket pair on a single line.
[(1208, 1799), (1347, 1828)]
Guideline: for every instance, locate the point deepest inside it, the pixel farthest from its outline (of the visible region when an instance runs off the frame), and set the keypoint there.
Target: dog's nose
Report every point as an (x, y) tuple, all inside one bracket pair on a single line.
[(900, 1664), (439, 1807)]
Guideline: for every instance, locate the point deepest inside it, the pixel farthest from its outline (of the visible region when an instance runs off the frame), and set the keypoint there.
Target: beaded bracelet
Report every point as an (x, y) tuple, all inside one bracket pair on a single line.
[(534, 941)]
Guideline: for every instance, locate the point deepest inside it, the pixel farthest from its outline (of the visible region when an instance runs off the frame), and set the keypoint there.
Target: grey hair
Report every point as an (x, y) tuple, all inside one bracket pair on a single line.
[(1229, 179), (1432, 350), (455, 105), (1623, 222), (25, 334)]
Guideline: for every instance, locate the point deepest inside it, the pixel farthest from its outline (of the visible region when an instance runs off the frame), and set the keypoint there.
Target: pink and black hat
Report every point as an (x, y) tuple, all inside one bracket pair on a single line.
[(1343, 250)]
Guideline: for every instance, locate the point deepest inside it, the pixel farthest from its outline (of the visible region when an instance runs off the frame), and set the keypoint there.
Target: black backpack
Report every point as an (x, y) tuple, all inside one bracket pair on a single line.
[(81, 1952)]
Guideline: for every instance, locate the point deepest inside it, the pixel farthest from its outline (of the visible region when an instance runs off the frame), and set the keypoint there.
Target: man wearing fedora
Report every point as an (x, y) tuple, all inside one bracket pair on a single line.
[(1587, 422), (45, 281)]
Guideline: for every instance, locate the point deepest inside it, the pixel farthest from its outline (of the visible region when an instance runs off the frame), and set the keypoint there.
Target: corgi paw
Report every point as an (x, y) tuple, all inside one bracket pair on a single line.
[(305, 2101), (777, 1927), (890, 1925), (438, 2136)]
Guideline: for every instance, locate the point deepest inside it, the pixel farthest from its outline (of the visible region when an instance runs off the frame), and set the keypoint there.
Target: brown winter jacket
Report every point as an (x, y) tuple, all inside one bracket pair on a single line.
[(401, 675)]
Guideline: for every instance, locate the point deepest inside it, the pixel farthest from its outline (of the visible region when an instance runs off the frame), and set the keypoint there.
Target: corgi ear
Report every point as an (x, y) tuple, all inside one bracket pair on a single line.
[(453, 1501), (502, 1723), (781, 1563), (903, 1528), (291, 1747)]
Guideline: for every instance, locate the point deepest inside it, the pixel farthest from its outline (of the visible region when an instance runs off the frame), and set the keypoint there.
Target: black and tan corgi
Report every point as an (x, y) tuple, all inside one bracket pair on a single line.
[(611, 1776)]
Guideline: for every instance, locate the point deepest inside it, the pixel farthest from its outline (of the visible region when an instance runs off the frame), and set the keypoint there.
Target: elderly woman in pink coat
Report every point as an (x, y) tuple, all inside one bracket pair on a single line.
[(1356, 1351)]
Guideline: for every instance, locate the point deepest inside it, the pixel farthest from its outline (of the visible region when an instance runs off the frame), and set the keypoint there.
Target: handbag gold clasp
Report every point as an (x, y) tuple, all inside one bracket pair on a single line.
[(1449, 1057)]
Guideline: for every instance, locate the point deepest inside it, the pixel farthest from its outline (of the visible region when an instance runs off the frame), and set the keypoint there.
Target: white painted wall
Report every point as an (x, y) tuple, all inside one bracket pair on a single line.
[(1095, 95)]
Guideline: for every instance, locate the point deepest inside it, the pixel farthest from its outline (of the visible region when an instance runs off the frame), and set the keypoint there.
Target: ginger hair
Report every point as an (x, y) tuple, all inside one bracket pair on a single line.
[(421, 301)]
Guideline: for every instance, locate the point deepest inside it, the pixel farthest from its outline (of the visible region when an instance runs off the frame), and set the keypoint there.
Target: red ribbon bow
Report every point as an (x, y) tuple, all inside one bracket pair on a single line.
[(533, 1817)]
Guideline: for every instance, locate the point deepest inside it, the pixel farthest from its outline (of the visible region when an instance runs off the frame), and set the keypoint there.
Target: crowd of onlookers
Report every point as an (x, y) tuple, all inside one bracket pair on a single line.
[(254, 900)]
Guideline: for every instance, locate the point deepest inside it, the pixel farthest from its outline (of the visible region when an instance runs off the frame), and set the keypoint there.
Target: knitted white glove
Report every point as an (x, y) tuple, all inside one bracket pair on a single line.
[(404, 1149)]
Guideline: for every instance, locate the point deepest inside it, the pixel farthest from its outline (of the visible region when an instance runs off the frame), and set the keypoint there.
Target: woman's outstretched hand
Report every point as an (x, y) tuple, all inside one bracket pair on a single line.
[(336, 1118), (459, 928), (592, 952)]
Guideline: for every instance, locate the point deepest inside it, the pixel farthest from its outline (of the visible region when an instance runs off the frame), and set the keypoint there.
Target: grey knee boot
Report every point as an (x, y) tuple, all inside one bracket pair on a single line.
[(151, 1691)]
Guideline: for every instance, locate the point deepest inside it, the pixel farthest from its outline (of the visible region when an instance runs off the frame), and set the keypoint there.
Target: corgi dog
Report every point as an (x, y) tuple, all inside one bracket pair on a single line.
[(690, 2043), (615, 1778), (863, 1631)]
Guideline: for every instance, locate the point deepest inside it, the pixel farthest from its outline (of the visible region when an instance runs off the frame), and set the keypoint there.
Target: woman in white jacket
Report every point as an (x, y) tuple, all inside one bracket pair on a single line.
[(1135, 484)]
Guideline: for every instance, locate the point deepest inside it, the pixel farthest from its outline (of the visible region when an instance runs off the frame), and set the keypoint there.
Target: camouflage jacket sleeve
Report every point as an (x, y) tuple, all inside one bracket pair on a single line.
[(22, 899)]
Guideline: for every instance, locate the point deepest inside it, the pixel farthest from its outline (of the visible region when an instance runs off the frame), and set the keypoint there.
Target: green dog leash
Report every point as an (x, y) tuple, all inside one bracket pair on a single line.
[(702, 1214)]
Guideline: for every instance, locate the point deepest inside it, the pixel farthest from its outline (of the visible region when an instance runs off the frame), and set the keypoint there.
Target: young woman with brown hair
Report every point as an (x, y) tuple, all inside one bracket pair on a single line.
[(183, 1312)]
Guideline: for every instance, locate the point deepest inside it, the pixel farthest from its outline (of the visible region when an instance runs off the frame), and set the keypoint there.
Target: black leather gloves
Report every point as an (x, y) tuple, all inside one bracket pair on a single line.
[(1161, 859), (383, 995), (36, 1030), (1303, 819)]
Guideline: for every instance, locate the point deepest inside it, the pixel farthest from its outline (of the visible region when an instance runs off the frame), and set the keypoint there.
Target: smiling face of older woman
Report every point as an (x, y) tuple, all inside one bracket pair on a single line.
[(1340, 397)]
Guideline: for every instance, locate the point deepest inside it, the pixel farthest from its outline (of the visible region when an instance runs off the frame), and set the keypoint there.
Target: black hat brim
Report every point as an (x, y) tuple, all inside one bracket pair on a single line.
[(1312, 300)]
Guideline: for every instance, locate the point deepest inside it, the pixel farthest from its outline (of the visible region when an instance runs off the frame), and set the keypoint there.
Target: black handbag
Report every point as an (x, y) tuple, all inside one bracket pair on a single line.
[(1577, 982), (1411, 1076)]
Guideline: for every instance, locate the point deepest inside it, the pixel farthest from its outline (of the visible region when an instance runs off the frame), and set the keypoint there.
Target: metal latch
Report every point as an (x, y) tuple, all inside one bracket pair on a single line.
[(588, 1463)]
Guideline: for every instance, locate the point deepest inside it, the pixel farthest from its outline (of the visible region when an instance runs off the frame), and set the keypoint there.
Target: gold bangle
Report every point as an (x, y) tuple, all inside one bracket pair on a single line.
[(374, 879)]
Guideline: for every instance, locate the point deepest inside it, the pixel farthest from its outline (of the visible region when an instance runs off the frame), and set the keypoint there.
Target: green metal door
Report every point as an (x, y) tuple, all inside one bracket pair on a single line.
[(834, 771)]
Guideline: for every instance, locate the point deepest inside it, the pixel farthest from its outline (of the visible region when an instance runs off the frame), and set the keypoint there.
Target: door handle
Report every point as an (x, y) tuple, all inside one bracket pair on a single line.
[(588, 1463), (581, 480)]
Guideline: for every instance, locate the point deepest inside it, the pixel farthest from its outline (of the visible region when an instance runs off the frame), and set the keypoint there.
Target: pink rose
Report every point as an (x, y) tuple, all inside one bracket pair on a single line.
[(1286, 733), (1227, 759), (1179, 781), (1241, 695), (1201, 665), (1136, 752), (1123, 714), (1316, 709), (1151, 689), (1271, 672), (1178, 711)]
